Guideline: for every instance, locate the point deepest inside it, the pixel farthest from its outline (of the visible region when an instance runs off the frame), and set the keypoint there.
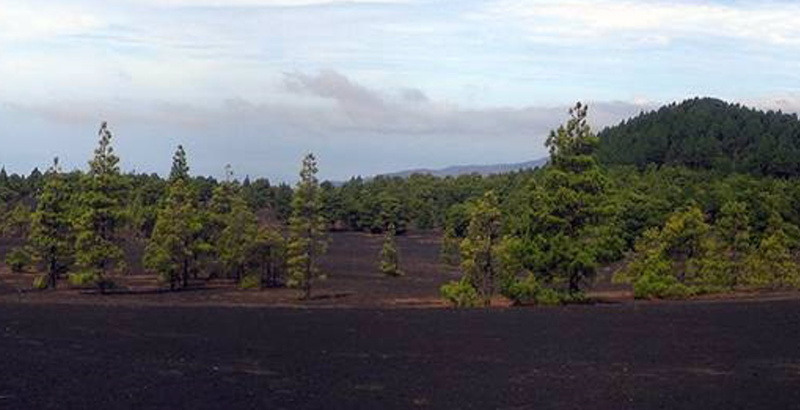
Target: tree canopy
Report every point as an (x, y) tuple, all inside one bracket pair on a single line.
[(710, 134)]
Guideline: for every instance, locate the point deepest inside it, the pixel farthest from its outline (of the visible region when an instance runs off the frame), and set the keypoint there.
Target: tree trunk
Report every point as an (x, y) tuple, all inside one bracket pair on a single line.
[(185, 274), (51, 279), (195, 271), (574, 284), (310, 250)]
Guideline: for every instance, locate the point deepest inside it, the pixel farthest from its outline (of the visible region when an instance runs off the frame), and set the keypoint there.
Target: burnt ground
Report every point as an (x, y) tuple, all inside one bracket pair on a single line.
[(688, 355)]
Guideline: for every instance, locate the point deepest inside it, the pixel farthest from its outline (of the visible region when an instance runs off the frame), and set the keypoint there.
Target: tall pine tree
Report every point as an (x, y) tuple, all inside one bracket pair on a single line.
[(176, 241), (565, 205), (180, 167), (100, 214), (307, 237), (238, 238), (52, 236), (479, 249)]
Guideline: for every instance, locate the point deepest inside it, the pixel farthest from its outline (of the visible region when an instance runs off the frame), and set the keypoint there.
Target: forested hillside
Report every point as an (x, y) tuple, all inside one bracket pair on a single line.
[(710, 134)]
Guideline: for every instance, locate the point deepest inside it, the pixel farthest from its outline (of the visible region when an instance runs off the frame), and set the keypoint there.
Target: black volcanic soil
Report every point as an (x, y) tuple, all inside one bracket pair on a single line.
[(690, 355), (359, 345)]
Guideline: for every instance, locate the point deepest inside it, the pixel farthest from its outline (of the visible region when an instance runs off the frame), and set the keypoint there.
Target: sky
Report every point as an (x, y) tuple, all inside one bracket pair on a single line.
[(369, 86)]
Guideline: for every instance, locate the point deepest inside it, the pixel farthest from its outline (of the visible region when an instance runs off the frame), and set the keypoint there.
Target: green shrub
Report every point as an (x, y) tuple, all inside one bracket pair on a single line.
[(90, 279), (460, 293), (523, 291), (250, 282), (528, 291), (651, 286), (19, 259), (549, 297), (40, 282), (82, 279)]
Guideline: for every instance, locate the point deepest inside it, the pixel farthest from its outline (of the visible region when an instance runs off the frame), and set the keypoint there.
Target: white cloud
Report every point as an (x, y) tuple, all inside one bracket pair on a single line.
[(789, 103), (21, 21), (355, 128), (330, 102), (257, 3), (649, 21)]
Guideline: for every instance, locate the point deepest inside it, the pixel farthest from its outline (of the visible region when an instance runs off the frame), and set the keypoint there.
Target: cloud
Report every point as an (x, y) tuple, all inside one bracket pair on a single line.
[(406, 111), (24, 22), (788, 103), (653, 22), (331, 84), (332, 102), (258, 3), (354, 128)]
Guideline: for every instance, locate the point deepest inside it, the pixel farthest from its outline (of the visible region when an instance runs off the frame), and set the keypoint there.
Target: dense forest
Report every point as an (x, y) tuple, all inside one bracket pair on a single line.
[(696, 197), (710, 134)]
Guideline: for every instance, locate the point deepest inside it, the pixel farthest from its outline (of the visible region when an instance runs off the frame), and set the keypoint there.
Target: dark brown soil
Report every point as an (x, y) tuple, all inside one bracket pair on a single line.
[(728, 355), (214, 346)]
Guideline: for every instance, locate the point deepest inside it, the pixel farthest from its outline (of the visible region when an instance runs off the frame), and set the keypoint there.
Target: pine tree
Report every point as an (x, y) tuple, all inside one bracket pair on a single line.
[(683, 235), (734, 229), (180, 167), (237, 240), (6, 193), (772, 264), (52, 236), (267, 256), (220, 205), (479, 250), (218, 212), (17, 221), (390, 257), (450, 252), (100, 214), (176, 242), (677, 260), (307, 239), (566, 204), (282, 201)]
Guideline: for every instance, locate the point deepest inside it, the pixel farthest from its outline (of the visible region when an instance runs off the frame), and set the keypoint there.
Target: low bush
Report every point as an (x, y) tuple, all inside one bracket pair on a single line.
[(460, 293), (82, 279), (529, 291), (652, 286), (90, 279), (19, 259), (549, 297), (40, 282), (523, 291), (250, 282)]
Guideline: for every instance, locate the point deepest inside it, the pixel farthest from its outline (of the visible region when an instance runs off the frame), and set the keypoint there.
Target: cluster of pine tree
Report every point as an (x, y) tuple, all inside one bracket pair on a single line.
[(535, 236), (680, 231), (420, 201), (689, 255), (80, 223)]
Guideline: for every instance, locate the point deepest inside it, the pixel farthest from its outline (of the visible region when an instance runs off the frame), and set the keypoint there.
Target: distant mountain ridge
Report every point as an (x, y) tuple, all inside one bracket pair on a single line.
[(457, 170)]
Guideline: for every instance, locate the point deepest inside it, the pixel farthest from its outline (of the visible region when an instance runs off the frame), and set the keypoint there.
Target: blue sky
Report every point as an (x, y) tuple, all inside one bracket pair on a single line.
[(370, 86)]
